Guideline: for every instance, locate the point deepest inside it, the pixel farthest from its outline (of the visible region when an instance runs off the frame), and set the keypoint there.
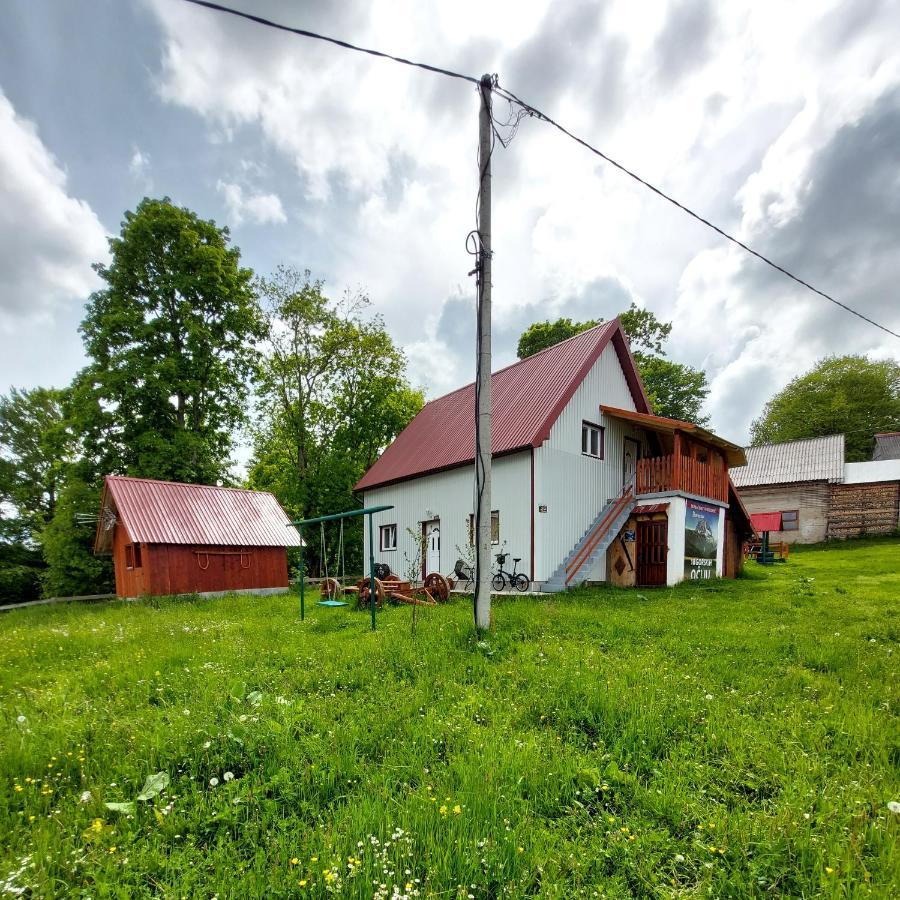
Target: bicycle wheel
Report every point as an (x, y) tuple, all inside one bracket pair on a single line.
[(498, 583), (522, 582)]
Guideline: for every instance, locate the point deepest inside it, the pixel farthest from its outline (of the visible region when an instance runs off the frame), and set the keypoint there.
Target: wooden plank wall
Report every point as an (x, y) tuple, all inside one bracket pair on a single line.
[(811, 498), (178, 569), (733, 559), (858, 509)]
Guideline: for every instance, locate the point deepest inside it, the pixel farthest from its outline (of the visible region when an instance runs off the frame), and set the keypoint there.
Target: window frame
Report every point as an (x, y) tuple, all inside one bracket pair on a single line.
[(132, 556), (587, 430), (495, 534), (383, 531), (794, 523)]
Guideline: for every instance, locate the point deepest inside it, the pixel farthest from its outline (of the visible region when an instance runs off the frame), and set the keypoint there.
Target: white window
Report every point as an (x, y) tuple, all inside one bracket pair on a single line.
[(495, 527), (388, 537), (592, 440)]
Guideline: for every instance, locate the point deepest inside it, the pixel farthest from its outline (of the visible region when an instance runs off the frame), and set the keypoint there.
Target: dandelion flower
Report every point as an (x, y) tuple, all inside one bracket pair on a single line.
[(302, 882), (294, 860), (829, 870), (443, 810), (457, 809)]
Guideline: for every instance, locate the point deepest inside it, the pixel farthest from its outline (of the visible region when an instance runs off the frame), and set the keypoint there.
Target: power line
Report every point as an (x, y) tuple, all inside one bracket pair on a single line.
[(321, 37), (509, 95), (534, 111)]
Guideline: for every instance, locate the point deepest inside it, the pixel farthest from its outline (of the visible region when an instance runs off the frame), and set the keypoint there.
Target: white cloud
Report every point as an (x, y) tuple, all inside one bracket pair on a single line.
[(244, 205), (139, 167), (48, 239), (386, 159)]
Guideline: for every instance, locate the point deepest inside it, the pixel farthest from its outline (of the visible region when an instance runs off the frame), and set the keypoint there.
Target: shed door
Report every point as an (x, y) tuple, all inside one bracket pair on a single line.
[(652, 552)]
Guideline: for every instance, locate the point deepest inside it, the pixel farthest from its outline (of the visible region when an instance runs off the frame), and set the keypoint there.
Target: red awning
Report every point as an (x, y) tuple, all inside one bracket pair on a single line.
[(768, 521)]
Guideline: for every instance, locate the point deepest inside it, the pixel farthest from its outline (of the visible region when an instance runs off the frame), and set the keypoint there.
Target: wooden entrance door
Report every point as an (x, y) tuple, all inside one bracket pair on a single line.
[(652, 552)]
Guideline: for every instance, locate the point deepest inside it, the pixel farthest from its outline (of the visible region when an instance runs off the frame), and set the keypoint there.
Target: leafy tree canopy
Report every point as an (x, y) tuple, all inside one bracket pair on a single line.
[(171, 338), (34, 449), (675, 390), (849, 395), (331, 393)]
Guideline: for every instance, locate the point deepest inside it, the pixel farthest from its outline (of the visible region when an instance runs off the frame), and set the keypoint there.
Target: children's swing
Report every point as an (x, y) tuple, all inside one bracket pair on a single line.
[(332, 588)]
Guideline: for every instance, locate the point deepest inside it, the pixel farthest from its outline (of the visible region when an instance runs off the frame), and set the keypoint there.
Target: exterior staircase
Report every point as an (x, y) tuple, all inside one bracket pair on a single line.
[(593, 544)]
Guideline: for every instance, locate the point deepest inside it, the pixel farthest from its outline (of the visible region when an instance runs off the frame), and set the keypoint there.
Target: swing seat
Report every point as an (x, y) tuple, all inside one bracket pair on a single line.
[(330, 603)]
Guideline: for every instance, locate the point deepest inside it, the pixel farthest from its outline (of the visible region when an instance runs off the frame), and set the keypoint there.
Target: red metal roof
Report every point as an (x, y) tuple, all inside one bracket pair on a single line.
[(526, 399), (168, 512), (767, 521)]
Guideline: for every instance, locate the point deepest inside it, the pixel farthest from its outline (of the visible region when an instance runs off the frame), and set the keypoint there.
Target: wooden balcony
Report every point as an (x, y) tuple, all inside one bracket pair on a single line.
[(659, 474)]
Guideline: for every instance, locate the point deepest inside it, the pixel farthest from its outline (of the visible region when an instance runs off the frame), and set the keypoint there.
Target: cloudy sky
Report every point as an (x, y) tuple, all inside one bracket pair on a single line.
[(780, 121)]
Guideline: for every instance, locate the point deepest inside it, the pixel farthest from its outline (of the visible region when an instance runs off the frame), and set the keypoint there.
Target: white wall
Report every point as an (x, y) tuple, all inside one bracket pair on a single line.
[(448, 496), (575, 487), (675, 559)]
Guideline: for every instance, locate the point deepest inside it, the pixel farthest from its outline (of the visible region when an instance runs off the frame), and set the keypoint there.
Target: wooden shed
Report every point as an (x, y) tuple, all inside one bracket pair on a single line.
[(171, 538)]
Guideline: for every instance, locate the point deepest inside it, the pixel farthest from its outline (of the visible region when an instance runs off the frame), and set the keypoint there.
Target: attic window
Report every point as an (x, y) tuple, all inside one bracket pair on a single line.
[(592, 440)]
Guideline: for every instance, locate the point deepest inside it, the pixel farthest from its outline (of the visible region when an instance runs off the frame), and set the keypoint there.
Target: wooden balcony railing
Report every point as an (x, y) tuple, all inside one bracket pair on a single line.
[(657, 474)]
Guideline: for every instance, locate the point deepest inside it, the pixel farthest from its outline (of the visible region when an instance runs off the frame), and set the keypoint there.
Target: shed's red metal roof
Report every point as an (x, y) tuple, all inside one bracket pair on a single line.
[(168, 512), (526, 399)]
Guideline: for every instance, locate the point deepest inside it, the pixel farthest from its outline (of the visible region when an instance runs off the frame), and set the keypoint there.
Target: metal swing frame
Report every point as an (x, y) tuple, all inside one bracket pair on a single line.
[(369, 511)]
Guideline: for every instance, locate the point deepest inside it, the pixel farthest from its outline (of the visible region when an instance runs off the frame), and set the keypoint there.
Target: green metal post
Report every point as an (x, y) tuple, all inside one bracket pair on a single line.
[(372, 597), (302, 573)]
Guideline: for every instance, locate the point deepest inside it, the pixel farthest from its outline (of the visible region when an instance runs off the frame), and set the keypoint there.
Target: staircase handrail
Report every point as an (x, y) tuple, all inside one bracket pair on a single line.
[(598, 533)]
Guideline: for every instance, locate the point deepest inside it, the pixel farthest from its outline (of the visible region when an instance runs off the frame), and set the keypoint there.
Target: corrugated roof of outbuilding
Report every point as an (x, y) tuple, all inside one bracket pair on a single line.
[(813, 459), (169, 512), (887, 445), (526, 399)]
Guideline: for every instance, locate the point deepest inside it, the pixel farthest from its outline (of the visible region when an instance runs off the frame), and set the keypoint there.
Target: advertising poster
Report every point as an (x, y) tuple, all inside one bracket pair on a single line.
[(701, 531)]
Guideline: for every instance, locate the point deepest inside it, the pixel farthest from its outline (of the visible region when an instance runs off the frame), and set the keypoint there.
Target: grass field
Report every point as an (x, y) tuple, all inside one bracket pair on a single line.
[(735, 739)]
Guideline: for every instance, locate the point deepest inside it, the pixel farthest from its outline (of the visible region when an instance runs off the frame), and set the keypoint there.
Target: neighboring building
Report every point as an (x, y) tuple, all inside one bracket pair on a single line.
[(171, 538), (580, 465), (867, 501), (887, 446), (793, 478), (817, 494)]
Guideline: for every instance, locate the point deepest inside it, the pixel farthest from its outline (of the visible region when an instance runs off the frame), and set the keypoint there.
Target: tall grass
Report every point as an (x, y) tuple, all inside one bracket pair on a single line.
[(732, 739)]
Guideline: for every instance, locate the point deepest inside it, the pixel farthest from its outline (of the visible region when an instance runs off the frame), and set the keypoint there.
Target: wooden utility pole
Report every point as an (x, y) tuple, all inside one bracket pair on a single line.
[(483, 367)]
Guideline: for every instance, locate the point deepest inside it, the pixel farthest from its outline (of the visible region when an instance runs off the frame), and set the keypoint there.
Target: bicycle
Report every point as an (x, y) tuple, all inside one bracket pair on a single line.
[(518, 580)]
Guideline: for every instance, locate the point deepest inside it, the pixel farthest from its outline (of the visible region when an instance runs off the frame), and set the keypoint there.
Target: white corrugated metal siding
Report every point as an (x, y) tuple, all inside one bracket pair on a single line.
[(575, 487), (448, 496)]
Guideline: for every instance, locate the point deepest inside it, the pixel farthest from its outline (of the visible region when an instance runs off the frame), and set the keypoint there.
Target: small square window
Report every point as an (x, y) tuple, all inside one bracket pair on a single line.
[(132, 556), (495, 527), (790, 520), (388, 537), (592, 440)]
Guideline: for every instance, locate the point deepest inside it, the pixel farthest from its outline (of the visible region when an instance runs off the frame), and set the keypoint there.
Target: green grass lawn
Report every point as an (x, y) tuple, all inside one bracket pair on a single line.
[(733, 739)]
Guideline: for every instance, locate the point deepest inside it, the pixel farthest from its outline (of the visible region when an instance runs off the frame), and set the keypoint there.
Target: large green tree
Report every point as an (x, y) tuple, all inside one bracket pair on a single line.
[(675, 390), (849, 395), (171, 338), (332, 394)]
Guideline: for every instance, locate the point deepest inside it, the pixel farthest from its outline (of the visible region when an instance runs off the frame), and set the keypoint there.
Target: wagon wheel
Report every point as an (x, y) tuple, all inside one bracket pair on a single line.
[(331, 588), (364, 591), (437, 586)]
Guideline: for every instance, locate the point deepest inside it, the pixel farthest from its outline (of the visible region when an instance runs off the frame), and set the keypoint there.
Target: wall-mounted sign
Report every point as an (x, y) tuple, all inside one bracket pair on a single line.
[(542, 507), (629, 535), (701, 536)]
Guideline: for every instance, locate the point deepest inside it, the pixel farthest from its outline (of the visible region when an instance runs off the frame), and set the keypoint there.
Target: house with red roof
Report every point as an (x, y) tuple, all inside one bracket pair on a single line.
[(166, 537), (587, 483)]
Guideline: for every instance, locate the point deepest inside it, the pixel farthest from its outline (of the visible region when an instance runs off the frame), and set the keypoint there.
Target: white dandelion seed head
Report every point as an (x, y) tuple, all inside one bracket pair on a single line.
[(86, 797), (21, 720), (894, 806), (213, 781), (228, 776)]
